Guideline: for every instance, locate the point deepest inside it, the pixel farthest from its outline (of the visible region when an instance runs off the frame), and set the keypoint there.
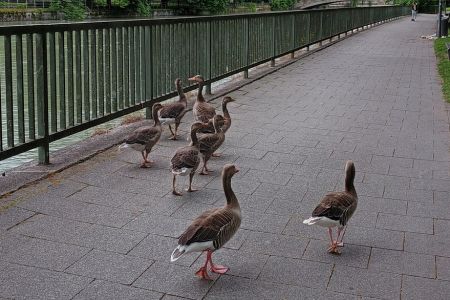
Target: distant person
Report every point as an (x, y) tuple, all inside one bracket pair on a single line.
[(414, 11)]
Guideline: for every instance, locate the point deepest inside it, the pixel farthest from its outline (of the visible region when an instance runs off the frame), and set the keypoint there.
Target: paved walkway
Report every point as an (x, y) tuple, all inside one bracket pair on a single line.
[(105, 229)]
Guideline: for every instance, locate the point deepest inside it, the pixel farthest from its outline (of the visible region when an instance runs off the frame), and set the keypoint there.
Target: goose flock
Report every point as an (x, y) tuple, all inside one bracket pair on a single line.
[(215, 227)]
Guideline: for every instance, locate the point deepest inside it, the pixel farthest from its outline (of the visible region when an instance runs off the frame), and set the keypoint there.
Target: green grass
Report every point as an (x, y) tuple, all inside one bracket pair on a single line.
[(443, 65)]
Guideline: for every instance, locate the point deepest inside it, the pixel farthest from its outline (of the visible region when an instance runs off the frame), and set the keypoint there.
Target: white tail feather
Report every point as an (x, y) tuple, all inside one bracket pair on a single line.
[(124, 146), (312, 220), (181, 172)]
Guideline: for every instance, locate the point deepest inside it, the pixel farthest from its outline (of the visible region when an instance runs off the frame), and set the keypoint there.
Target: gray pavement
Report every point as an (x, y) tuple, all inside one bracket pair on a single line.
[(104, 229)]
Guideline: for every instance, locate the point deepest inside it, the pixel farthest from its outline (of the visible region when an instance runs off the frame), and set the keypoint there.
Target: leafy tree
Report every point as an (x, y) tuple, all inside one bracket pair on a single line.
[(282, 4)]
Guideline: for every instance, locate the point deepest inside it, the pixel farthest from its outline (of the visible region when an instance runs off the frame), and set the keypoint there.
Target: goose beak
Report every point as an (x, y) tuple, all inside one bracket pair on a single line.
[(236, 169), (192, 79)]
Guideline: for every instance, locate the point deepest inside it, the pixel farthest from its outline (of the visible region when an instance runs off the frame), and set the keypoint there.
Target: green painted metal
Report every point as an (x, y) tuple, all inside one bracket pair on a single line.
[(126, 61), (108, 70), (132, 55), (93, 76), (70, 86), (30, 85), (100, 73), (42, 97), (9, 92), (114, 91), (86, 79), (52, 75), (79, 73), (102, 70), (20, 90), (61, 81)]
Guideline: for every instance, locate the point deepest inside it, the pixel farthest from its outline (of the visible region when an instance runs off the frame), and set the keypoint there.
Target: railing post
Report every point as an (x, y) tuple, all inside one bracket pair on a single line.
[(247, 46), (209, 60), (148, 70), (42, 96), (272, 61)]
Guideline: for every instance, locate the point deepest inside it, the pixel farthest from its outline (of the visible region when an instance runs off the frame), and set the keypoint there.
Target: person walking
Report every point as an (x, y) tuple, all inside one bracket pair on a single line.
[(414, 11)]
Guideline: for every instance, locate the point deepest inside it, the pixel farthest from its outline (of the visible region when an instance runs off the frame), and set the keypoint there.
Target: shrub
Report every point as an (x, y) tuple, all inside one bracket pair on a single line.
[(143, 8), (212, 6), (282, 4)]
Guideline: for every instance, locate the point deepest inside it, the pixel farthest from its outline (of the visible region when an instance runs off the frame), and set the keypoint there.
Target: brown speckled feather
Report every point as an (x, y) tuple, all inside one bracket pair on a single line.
[(186, 157), (208, 143), (217, 225), (203, 111), (172, 110), (337, 206), (147, 135)]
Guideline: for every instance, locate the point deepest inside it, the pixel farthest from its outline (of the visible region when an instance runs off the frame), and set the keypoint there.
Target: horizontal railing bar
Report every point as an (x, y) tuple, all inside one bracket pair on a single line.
[(85, 25)]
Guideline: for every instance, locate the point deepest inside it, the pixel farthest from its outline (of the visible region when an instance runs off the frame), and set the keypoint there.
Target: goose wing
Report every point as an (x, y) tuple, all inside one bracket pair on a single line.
[(207, 142), (217, 225), (143, 135), (172, 110), (205, 112), (185, 158), (336, 206)]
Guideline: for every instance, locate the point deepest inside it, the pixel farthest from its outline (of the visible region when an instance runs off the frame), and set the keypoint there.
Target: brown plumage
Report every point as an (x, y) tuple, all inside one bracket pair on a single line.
[(144, 138), (336, 209), (174, 112), (210, 142), (226, 114), (187, 159), (202, 110), (213, 228)]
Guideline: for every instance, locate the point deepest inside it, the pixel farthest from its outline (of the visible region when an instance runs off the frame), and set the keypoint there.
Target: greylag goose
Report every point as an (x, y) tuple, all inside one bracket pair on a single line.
[(210, 142), (212, 229), (336, 209), (187, 159), (173, 113), (202, 110), (144, 138), (226, 114)]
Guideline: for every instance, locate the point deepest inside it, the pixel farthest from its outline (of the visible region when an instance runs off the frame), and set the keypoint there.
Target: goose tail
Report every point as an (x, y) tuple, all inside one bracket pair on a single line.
[(122, 147), (177, 253), (312, 220)]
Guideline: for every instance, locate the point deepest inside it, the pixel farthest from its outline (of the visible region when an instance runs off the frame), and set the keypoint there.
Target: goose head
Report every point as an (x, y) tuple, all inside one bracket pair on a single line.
[(227, 99), (229, 170), (197, 78)]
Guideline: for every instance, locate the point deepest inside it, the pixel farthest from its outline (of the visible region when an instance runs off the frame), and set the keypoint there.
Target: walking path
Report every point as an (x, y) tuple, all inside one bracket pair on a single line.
[(105, 228)]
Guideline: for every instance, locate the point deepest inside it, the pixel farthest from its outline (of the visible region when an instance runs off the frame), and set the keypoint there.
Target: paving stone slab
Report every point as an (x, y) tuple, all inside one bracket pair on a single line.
[(401, 262), (158, 224), (78, 233), (231, 287), (13, 216), (296, 272), (110, 266), (23, 282), (427, 244), (423, 288), (405, 223), (175, 280), (156, 247), (365, 283), (351, 255), (276, 245), (103, 290), (39, 253)]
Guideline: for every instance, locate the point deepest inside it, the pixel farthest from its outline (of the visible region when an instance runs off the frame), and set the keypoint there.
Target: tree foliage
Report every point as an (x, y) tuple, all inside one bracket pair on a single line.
[(282, 4)]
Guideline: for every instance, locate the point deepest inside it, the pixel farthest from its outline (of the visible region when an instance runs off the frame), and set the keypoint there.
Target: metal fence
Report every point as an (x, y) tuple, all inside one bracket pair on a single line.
[(60, 79)]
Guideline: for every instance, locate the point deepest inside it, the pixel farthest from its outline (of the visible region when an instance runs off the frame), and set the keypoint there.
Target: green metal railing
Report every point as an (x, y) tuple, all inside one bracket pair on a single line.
[(60, 79)]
